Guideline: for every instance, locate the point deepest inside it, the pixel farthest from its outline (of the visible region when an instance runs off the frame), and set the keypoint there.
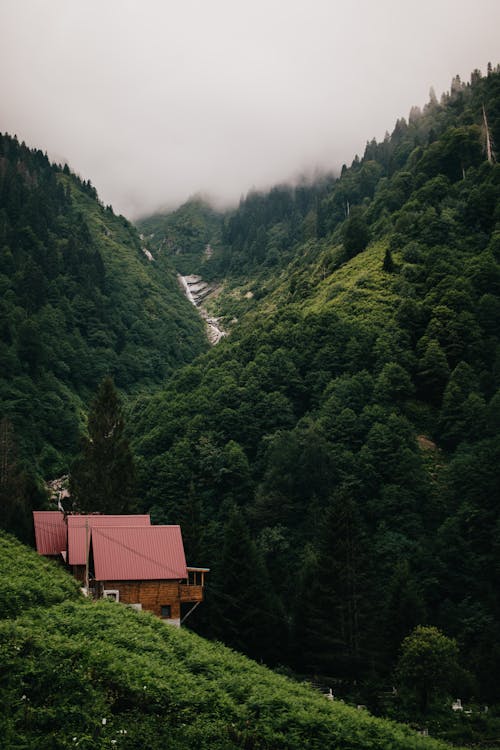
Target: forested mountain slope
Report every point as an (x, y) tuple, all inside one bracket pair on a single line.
[(336, 460), (79, 300), (186, 237), (94, 675)]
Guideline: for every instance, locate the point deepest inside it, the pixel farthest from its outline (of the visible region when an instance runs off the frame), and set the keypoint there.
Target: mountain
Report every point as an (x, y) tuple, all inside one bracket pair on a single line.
[(347, 432), (186, 237), (80, 300), (334, 460), (90, 675)]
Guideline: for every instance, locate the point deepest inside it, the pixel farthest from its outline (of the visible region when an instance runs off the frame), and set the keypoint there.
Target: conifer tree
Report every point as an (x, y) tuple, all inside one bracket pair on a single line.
[(388, 264), (13, 488), (103, 475), (245, 614), (355, 234), (331, 616)]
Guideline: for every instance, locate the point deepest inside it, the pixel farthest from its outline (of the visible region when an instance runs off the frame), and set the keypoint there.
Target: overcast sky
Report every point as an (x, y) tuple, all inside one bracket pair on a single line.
[(155, 100)]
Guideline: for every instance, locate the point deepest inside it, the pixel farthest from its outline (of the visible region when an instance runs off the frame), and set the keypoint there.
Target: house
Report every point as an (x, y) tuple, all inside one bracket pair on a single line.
[(80, 535), (145, 567), (126, 559), (51, 533)]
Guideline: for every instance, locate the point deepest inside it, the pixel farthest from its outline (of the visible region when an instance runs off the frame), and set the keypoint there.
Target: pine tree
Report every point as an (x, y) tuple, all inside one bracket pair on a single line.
[(356, 233), (13, 486), (103, 475), (331, 614), (433, 372), (405, 608), (189, 516), (245, 613), (388, 264)]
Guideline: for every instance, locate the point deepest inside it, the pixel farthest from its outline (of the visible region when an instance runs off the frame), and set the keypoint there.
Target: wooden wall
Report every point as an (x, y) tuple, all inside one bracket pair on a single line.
[(152, 595)]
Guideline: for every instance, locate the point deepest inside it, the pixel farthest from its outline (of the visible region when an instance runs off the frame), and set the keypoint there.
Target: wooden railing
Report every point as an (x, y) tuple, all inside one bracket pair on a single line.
[(196, 576), (190, 593)]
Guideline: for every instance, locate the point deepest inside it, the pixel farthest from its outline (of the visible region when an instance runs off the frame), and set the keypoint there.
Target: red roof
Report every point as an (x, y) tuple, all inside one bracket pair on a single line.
[(138, 553), (50, 532), (77, 533)]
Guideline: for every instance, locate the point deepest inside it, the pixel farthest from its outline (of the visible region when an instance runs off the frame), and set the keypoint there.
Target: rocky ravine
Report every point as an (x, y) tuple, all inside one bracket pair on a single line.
[(197, 290)]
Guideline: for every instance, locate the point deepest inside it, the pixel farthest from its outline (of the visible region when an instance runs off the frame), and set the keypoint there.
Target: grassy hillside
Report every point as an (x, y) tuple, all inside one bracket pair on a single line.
[(68, 664)]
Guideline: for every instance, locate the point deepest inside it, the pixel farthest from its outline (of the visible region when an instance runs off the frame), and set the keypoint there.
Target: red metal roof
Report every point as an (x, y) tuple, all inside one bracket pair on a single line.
[(50, 532), (138, 553), (77, 532)]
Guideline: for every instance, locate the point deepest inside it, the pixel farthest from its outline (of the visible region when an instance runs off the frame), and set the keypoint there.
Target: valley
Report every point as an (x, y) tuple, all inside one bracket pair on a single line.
[(334, 461)]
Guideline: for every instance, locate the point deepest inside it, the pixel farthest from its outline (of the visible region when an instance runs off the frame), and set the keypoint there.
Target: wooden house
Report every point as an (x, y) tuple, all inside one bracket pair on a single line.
[(51, 533), (126, 559), (145, 567), (80, 535)]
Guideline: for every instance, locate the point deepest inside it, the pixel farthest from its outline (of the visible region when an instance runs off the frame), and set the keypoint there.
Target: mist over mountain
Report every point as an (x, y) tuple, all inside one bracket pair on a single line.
[(334, 459), (156, 103)]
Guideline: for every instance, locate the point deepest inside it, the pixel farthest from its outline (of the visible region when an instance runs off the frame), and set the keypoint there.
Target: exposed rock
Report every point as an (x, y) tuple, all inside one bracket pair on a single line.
[(197, 290)]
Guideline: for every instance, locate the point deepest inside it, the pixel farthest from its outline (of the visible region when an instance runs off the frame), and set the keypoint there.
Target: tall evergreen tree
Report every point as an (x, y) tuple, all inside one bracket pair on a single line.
[(103, 475), (388, 263), (405, 608), (356, 233), (13, 486), (245, 614), (331, 612)]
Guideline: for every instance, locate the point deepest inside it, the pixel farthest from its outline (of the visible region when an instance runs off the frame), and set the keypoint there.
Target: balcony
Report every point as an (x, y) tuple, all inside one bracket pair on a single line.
[(192, 591)]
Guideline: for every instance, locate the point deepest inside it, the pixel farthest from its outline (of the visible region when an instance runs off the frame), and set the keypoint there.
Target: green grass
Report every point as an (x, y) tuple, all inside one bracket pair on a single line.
[(358, 288), (68, 663)]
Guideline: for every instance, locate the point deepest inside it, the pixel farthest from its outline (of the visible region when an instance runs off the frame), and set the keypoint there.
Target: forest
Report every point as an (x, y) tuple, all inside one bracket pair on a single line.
[(346, 434), (79, 300), (335, 459)]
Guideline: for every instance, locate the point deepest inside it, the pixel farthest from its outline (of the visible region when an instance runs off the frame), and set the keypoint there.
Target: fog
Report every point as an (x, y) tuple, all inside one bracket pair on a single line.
[(154, 100)]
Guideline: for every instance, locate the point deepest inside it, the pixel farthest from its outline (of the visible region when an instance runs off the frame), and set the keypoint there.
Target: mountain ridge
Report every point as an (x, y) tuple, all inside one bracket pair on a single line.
[(79, 301), (296, 454), (366, 317)]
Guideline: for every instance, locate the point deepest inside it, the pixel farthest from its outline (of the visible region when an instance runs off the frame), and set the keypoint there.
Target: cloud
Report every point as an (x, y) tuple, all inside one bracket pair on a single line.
[(155, 100)]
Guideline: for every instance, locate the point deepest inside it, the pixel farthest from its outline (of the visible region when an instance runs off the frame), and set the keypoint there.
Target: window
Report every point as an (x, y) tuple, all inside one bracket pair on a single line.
[(112, 594), (166, 611)]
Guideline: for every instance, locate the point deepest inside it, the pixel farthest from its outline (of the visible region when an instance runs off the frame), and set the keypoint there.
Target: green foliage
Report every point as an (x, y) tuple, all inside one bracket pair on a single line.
[(28, 581), (13, 482), (342, 373), (98, 675), (246, 614), (103, 475), (79, 301), (331, 607), (356, 234), (388, 264), (428, 663), (339, 377), (189, 237)]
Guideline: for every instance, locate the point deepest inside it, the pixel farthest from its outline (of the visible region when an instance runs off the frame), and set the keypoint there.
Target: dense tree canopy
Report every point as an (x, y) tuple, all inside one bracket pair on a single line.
[(78, 300), (103, 474), (352, 413), (343, 440)]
